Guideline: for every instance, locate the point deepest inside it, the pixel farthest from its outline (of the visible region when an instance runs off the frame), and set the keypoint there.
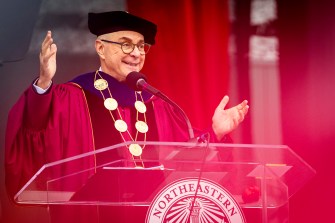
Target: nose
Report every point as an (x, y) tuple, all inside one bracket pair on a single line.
[(136, 52)]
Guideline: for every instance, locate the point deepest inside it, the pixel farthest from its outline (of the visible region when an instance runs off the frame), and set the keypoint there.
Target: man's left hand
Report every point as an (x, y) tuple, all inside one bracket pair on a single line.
[(226, 120)]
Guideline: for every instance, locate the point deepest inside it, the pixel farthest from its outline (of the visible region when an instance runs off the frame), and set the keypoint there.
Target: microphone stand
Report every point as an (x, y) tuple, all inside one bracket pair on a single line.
[(145, 86)]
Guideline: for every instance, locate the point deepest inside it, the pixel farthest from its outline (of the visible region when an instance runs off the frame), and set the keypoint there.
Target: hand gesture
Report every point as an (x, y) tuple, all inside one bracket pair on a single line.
[(47, 61), (226, 120)]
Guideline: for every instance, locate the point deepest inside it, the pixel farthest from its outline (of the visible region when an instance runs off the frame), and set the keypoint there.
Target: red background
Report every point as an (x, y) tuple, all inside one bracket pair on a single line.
[(190, 64)]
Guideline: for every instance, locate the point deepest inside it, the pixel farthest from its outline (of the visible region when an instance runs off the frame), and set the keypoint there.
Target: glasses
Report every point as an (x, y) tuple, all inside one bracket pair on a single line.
[(128, 47)]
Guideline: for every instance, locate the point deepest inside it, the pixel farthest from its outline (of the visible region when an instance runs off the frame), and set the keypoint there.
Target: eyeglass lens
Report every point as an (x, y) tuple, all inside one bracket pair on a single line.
[(128, 47)]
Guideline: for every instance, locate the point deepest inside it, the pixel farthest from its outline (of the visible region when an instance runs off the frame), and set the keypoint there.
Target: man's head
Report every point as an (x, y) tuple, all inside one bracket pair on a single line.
[(122, 41)]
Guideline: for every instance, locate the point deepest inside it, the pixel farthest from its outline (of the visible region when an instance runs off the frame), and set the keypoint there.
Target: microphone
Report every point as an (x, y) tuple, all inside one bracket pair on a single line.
[(138, 82)]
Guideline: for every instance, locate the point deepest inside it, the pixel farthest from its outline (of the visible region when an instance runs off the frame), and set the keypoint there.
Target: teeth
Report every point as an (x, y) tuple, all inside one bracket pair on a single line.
[(131, 64)]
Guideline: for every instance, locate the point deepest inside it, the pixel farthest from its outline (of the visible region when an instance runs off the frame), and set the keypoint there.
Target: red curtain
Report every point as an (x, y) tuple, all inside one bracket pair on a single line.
[(189, 62)]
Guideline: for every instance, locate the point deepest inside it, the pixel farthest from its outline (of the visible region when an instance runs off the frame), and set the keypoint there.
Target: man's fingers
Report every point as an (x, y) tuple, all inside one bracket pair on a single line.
[(223, 102), (46, 38), (53, 49), (47, 43), (242, 105), (242, 108), (46, 48), (243, 111)]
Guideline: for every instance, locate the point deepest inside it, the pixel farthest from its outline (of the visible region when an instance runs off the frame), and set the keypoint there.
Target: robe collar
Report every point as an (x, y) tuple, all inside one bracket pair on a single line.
[(121, 92)]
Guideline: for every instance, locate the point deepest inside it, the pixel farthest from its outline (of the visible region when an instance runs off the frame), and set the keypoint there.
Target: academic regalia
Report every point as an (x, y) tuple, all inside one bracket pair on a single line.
[(70, 119)]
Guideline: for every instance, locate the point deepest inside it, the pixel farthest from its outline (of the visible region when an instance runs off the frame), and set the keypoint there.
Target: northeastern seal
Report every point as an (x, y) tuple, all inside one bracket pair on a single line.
[(194, 201)]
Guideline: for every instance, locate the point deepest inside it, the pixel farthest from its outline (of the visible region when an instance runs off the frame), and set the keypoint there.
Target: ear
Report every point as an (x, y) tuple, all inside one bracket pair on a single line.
[(100, 48)]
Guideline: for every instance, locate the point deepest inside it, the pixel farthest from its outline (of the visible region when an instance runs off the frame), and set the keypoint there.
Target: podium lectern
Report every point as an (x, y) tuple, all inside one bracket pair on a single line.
[(173, 181)]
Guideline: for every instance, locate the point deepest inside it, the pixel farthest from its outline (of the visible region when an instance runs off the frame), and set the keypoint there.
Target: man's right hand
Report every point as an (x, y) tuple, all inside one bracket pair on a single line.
[(47, 61)]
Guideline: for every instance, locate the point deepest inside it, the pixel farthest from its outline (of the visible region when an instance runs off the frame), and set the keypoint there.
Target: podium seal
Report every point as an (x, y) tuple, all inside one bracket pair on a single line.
[(194, 201)]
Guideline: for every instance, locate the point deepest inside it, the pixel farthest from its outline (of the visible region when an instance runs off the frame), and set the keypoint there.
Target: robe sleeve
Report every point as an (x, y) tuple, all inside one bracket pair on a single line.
[(45, 128)]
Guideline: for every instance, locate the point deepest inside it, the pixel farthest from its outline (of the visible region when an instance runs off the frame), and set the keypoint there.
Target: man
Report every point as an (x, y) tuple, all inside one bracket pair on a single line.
[(97, 109)]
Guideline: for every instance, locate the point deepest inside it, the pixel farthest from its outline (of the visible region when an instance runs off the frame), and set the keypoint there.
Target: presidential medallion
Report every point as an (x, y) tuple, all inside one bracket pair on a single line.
[(100, 84)]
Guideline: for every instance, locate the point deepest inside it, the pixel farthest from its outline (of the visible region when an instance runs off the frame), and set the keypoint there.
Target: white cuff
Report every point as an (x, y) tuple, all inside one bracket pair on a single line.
[(40, 90)]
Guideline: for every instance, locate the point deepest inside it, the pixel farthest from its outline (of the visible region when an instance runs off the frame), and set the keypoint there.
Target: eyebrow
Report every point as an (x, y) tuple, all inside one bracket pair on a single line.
[(129, 40)]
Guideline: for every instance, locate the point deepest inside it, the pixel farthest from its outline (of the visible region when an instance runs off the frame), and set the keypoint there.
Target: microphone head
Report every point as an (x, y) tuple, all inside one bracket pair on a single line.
[(133, 78)]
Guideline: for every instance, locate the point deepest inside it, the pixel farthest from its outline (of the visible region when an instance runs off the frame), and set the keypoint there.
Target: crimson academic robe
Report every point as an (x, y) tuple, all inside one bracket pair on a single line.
[(70, 119)]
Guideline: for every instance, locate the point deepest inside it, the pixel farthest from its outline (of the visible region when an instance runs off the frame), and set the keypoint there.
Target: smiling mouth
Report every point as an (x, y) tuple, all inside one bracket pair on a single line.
[(131, 64)]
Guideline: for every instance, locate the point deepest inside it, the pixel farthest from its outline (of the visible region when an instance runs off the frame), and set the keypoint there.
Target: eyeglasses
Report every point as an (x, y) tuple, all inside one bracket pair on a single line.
[(128, 47)]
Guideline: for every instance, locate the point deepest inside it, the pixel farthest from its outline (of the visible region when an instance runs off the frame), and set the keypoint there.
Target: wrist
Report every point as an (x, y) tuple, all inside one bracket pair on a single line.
[(219, 132), (43, 83)]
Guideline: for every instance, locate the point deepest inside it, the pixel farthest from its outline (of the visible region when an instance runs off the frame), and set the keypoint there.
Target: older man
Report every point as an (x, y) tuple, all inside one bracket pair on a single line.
[(98, 109)]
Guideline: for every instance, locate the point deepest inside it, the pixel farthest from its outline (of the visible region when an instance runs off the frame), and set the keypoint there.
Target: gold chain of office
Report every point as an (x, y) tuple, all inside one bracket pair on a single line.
[(120, 125)]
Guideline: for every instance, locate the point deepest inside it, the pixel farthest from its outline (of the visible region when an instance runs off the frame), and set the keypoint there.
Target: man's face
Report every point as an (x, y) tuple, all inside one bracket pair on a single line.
[(113, 60)]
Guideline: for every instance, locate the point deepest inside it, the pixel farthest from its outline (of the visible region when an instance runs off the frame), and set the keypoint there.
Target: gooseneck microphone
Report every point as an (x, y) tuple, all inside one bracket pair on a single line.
[(137, 81)]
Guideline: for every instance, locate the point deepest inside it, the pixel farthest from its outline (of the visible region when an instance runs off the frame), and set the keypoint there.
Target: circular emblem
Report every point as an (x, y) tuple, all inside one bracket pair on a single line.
[(100, 84), (135, 149), (110, 104), (190, 200), (140, 107), (121, 125), (141, 126)]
